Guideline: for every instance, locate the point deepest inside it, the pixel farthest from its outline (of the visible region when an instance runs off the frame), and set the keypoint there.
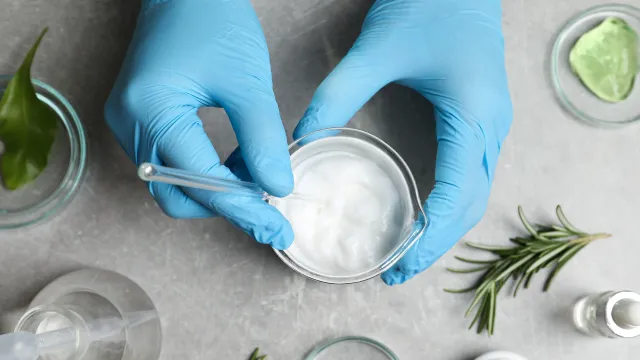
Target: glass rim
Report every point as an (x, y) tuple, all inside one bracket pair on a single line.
[(397, 252), (555, 73), (62, 195), (360, 339)]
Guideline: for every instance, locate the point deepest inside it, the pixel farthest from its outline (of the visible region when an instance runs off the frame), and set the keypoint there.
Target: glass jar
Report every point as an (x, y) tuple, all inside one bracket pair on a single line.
[(598, 315)]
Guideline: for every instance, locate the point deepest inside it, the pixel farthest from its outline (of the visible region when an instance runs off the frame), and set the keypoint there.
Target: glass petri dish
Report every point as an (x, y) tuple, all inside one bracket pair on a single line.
[(57, 184), (571, 93), (501, 355), (408, 224), (352, 348)]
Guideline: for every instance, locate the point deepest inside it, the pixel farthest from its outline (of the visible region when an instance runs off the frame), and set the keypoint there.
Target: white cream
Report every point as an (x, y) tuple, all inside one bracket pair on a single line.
[(354, 209)]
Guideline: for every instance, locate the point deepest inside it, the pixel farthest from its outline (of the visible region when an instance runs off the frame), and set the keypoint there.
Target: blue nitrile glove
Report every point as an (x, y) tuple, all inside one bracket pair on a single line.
[(186, 54), (451, 52)]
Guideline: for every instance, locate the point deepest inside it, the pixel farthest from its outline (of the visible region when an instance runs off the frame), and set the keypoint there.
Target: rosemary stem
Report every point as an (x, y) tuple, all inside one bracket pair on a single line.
[(545, 246)]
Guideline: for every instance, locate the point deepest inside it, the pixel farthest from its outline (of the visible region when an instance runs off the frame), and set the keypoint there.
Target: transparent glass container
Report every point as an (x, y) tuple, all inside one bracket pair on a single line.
[(501, 355), (352, 348), (413, 225), (107, 316), (56, 185), (594, 315), (572, 94)]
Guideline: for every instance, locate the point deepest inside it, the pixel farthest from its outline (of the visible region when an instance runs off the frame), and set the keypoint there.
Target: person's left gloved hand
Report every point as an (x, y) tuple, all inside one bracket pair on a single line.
[(451, 52)]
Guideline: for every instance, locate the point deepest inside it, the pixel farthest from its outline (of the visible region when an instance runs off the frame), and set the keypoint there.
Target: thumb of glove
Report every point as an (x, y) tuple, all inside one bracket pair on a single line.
[(348, 87)]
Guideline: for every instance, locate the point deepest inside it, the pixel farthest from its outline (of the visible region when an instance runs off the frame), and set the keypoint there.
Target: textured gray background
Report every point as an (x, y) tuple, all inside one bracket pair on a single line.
[(220, 294)]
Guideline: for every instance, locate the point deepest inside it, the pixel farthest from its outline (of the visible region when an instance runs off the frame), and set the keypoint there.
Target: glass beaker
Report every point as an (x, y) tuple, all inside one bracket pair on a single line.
[(410, 222), (109, 317)]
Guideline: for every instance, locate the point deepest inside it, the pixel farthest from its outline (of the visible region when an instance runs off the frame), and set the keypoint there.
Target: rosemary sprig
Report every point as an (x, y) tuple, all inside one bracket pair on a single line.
[(256, 355), (551, 246)]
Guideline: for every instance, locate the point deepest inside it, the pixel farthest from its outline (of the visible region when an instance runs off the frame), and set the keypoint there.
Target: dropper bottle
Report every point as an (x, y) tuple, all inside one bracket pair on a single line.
[(609, 314)]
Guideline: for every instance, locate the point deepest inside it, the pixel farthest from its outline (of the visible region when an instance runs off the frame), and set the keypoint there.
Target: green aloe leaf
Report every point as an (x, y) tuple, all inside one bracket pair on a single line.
[(606, 59), (27, 127)]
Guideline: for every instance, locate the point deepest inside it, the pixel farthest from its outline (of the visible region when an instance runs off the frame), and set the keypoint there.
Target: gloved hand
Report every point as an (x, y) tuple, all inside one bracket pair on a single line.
[(451, 52), (186, 54)]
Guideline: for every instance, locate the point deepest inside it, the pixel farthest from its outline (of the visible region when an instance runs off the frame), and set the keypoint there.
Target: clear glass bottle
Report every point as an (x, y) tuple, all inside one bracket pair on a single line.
[(106, 316), (609, 314)]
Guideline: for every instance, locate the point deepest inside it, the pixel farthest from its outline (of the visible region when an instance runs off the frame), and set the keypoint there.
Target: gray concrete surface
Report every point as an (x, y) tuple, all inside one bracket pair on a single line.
[(220, 294)]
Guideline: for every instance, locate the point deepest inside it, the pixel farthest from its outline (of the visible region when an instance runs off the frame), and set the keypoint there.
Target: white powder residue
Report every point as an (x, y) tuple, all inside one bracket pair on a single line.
[(360, 208)]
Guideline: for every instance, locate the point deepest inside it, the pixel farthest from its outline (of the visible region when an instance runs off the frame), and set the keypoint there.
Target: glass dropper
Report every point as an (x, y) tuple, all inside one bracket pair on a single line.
[(173, 176)]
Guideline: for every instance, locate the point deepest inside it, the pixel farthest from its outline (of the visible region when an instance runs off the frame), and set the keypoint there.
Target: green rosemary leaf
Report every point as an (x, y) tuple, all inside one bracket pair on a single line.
[(527, 280), (566, 223), (468, 271), (513, 267), (541, 246), (488, 247), (492, 308), (500, 285), (256, 355), (560, 228), (527, 224), (518, 284), (478, 262), (520, 241), (489, 276), (546, 257), (557, 258), (460, 291), (478, 312), (555, 234), (570, 252), (561, 263), (479, 294), (484, 318)]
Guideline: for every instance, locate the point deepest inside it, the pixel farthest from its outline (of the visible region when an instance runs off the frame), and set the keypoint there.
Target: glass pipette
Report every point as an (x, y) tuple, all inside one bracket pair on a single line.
[(172, 176), (29, 346)]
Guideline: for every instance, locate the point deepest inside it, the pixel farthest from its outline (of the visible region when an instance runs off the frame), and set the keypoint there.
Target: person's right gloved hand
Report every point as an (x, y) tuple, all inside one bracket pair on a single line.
[(451, 52), (186, 54)]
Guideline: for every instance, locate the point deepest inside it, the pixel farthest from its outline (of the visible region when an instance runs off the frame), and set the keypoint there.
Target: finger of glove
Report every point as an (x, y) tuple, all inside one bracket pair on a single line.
[(176, 204), (347, 88), (126, 118), (185, 145), (238, 167), (458, 200), (255, 118)]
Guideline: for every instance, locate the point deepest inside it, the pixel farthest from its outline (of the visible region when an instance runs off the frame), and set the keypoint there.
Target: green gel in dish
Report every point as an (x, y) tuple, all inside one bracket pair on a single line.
[(606, 59)]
